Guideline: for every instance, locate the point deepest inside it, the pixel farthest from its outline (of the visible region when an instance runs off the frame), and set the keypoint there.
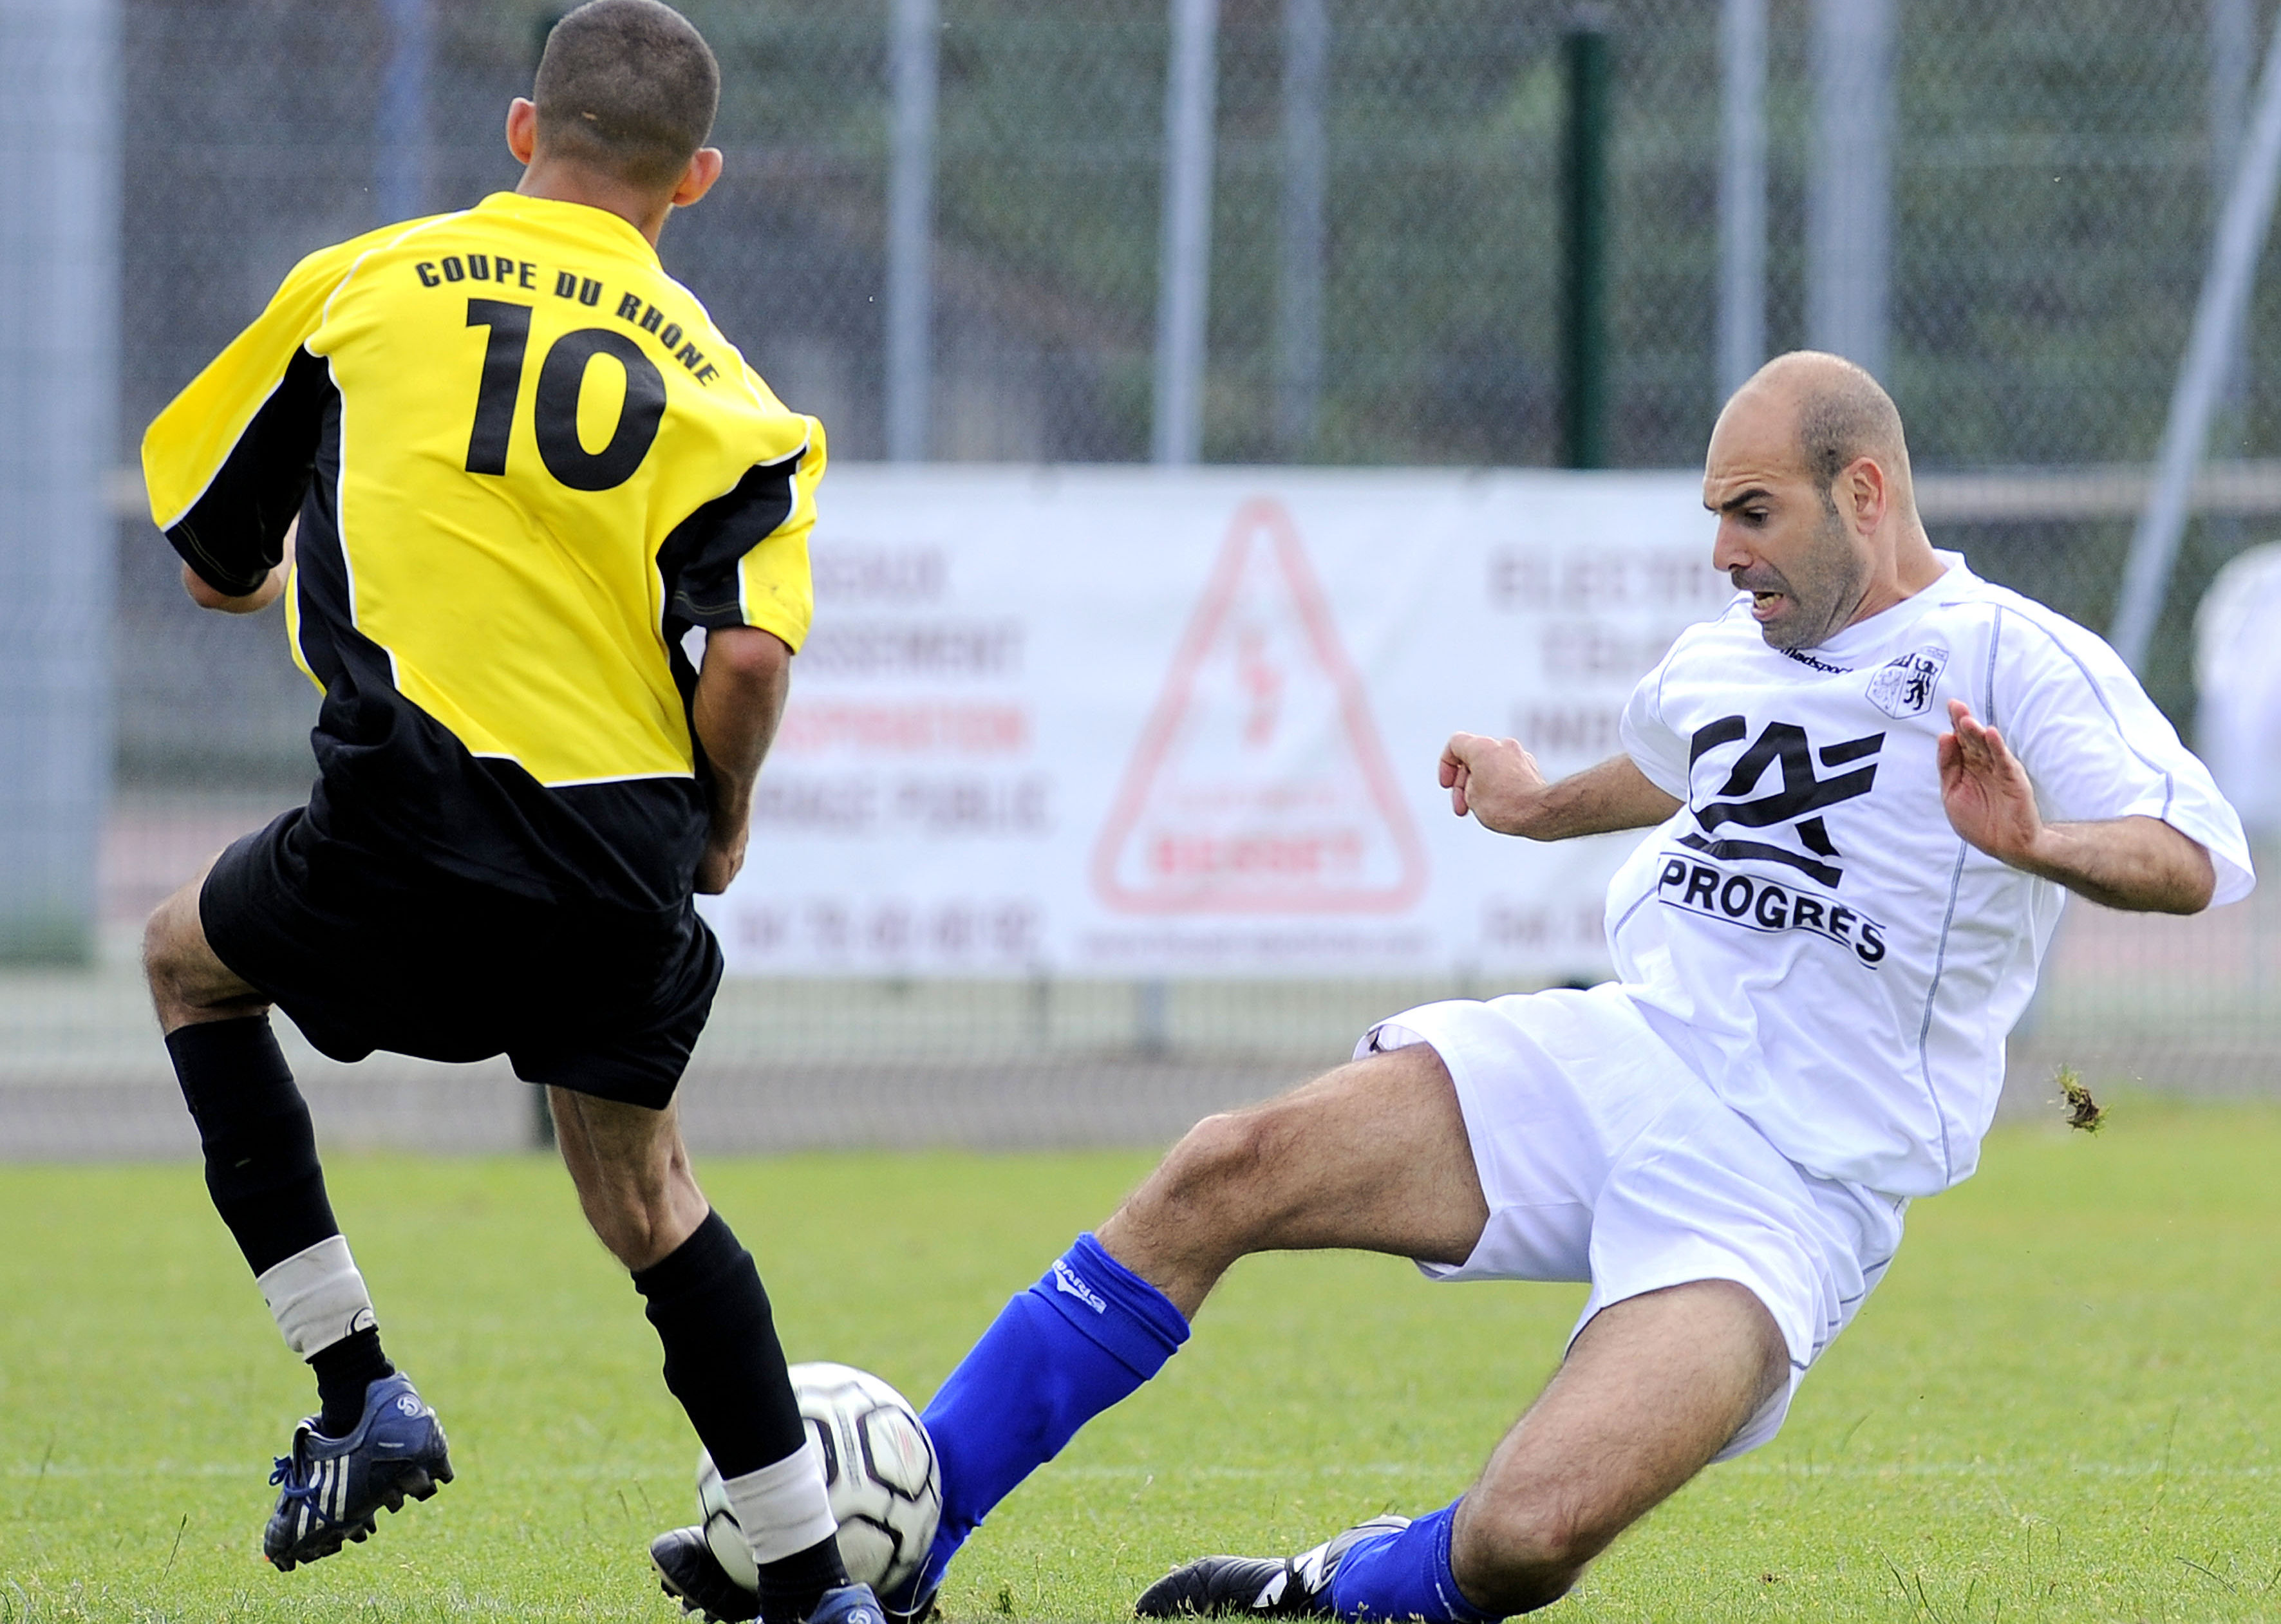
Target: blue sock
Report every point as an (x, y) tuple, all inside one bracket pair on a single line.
[(1085, 1336), (1405, 1575)]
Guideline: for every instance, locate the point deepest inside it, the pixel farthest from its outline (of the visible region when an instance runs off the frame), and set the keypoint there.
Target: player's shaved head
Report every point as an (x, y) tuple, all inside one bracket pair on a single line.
[(1839, 415), (1808, 472), (630, 87)]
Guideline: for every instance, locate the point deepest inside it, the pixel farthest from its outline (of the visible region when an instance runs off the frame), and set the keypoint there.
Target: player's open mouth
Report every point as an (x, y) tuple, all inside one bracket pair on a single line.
[(1764, 604)]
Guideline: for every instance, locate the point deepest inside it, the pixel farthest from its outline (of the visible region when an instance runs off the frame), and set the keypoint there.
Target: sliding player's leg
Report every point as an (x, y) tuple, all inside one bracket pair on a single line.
[(1719, 1270), (374, 1441), (722, 1359), (1652, 1389), (1373, 1156)]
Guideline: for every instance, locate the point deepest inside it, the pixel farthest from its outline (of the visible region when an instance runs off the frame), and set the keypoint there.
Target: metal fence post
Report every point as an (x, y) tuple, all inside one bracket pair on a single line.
[(1741, 193), (1584, 211), (1152, 1018), (1184, 271), (2218, 317), (2232, 41), (1299, 282), (1183, 297), (401, 184), (910, 230), (58, 382), (1849, 192)]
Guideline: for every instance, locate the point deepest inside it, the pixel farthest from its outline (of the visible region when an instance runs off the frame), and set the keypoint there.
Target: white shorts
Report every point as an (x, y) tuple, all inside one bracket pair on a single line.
[(1604, 1158)]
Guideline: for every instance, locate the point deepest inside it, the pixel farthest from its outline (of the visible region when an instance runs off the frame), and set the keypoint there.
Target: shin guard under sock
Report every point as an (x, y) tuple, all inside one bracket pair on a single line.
[(723, 1360), (725, 1364), (269, 1185), (1405, 1575), (260, 1150), (1084, 1337)]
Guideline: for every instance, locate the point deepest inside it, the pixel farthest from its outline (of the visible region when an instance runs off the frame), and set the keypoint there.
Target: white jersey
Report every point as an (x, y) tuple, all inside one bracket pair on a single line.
[(1808, 931)]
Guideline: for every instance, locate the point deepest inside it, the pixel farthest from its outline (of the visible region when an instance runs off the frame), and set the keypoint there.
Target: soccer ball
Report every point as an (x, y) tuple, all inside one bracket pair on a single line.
[(879, 1473)]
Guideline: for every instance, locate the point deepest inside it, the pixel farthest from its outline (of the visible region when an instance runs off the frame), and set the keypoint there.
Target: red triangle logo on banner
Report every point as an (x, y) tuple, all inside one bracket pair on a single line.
[(1259, 784)]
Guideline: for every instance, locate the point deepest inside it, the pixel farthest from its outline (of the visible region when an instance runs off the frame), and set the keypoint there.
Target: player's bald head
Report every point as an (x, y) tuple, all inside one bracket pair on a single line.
[(628, 87), (1834, 413), (1809, 475)]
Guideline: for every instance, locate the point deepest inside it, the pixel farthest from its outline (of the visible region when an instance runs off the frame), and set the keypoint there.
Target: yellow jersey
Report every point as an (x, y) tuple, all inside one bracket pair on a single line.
[(525, 464)]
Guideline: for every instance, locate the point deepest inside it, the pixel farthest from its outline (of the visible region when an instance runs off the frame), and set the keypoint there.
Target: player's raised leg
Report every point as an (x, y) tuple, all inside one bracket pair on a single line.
[(723, 1358), (374, 1441), (1371, 1155)]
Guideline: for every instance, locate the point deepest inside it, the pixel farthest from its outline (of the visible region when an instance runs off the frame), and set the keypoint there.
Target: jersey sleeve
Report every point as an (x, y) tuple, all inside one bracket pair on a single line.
[(228, 460), (741, 559), (2096, 747), (1659, 753)]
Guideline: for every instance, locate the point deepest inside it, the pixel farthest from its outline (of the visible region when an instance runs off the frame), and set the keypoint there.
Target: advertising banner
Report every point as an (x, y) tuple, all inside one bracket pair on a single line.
[(1132, 721)]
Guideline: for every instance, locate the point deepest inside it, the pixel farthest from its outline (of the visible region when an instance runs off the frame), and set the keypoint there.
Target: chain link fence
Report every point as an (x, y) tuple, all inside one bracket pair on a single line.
[(2054, 170), (2056, 165)]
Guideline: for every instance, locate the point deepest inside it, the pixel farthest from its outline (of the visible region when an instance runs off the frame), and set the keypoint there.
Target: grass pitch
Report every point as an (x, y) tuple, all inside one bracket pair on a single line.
[(2062, 1404)]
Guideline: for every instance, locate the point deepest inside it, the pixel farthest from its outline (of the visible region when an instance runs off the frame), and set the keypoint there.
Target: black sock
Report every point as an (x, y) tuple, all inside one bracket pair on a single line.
[(261, 1153), (344, 1372), (723, 1363), (722, 1357), (791, 1588), (263, 1174)]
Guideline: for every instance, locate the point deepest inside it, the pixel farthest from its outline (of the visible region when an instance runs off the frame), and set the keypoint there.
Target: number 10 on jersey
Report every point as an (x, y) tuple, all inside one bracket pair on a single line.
[(554, 410)]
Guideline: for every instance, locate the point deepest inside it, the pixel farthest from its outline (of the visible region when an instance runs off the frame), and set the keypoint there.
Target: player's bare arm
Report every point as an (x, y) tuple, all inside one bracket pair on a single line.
[(1501, 784), (2140, 863), (740, 698), (203, 594)]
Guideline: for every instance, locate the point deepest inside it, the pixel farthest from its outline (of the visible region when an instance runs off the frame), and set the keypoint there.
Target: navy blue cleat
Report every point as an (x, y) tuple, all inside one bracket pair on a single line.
[(1277, 1587), (331, 1490), (689, 1572), (850, 1604)]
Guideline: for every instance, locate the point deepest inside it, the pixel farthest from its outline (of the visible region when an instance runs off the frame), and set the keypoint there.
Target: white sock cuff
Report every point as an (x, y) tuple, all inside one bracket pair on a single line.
[(317, 1296), (782, 1507)]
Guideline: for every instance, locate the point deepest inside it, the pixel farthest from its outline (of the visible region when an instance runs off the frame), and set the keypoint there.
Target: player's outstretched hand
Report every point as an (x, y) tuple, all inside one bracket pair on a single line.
[(1494, 779), (1985, 790)]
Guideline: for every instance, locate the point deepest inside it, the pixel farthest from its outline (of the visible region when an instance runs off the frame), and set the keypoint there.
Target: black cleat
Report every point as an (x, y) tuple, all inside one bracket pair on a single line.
[(689, 1572), (1274, 1587)]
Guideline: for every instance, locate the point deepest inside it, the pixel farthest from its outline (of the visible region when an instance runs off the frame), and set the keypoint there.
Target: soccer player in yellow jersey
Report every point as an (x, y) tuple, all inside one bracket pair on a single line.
[(523, 465)]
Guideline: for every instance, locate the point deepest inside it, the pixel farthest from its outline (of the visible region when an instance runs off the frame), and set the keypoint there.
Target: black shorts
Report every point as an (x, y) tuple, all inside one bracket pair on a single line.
[(363, 956)]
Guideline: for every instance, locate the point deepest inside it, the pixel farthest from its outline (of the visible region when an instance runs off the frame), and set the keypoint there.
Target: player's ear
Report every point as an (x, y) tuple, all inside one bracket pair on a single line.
[(697, 179), (521, 129), (1864, 490)]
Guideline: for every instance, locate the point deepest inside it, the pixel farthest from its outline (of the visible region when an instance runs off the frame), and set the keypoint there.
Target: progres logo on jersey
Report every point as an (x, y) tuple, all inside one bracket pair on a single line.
[(1800, 802)]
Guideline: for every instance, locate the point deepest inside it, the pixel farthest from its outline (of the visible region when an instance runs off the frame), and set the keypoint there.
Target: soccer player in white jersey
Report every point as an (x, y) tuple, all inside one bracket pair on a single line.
[(1869, 784)]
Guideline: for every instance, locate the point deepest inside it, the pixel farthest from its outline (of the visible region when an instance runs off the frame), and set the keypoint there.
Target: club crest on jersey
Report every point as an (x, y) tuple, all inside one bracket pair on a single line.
[(1800, 800), (1763, 906), (1904, 687)]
